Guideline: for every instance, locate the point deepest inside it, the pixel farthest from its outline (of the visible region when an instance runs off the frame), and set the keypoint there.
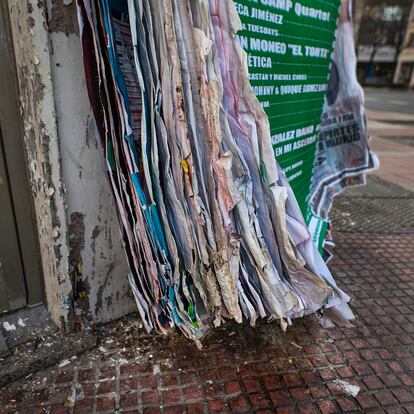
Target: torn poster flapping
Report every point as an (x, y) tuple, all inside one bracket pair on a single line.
[(343, 154), (211, 227)]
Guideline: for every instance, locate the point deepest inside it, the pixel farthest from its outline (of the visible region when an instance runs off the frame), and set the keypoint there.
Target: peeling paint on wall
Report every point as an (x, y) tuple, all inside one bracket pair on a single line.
[(104, 267), (100, 292), (31, 47), (63, 17), (76, 216), (76, 236), (80, 285)]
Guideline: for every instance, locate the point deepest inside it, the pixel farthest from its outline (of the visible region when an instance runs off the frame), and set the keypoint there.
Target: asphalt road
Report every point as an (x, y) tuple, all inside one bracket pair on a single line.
[(390, 100)]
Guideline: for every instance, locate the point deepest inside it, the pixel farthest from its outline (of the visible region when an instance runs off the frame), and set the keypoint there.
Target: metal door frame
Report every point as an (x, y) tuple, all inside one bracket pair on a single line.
[(16, 163)]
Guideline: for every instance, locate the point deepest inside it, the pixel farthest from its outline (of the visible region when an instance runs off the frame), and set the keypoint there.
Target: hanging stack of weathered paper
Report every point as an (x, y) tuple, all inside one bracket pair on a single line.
[(212, 229)]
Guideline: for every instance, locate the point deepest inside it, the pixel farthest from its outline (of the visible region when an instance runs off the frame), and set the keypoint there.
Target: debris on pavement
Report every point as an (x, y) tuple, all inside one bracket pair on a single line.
[(21, 322), (352, 390), (340, 369), (64, 363), (76, 393), (9, 326)]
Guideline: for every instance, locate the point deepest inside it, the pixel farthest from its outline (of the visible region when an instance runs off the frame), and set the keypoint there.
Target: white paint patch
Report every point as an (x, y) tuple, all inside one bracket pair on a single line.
[(9, 326)]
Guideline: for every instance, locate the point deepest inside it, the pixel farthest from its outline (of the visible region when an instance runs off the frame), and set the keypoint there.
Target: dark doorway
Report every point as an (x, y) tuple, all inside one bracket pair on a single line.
[(20, 275)]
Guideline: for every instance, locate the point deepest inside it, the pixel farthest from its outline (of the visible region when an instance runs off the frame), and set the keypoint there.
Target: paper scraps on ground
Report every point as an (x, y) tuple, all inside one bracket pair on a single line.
[(351, 390)]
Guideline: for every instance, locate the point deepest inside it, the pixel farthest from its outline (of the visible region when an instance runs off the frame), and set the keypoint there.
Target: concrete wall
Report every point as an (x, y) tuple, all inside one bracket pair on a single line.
[(76, 216)]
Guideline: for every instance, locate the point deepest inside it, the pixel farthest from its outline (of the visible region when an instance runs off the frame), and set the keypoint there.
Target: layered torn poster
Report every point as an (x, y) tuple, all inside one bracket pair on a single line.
[(302, 65), (211, 225)]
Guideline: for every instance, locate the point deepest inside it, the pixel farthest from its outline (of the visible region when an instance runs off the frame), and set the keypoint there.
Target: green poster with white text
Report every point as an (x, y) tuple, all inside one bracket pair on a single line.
[(289, 46)]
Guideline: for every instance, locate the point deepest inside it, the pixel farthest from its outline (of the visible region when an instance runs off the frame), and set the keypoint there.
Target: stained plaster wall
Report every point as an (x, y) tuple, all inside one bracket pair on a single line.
[(76, 216)]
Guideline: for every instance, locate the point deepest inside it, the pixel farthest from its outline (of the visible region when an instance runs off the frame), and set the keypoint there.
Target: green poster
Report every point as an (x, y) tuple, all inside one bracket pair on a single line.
[(289, 46)]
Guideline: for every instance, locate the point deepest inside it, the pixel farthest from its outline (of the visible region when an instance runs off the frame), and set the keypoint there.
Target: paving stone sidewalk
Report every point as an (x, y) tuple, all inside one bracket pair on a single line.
[(242, 369)]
